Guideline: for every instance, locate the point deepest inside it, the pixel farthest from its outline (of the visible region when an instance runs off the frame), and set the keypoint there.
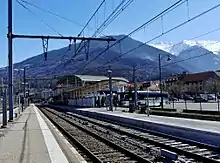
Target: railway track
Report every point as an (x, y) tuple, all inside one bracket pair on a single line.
[(187, 151), (99, 146)]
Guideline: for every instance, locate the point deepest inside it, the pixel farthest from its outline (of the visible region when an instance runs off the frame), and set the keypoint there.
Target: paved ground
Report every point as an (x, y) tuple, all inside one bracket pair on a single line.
[(16, 110), (211, 126), (24, 142), (33, 139), (194, 106)]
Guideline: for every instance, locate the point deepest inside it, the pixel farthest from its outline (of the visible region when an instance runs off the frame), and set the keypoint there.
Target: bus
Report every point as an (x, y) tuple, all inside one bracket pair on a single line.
[(150, 98)]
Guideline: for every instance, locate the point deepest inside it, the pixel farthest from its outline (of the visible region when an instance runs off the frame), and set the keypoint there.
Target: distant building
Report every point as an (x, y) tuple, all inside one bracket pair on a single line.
[(46, 93), (192, 83), (87, 85)]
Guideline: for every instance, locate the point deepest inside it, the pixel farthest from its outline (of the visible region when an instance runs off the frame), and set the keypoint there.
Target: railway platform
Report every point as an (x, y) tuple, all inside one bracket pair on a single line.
[(203, 131), (32, 138)]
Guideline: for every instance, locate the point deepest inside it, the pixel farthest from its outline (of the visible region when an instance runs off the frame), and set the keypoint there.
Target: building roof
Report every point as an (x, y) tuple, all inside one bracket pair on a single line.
[(199, 76), (90, 78)]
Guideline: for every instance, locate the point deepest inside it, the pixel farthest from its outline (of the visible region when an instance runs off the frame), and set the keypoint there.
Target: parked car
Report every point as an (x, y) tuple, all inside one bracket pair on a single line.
[(211, 97), (173, 99), (200, 99), (188, 97)]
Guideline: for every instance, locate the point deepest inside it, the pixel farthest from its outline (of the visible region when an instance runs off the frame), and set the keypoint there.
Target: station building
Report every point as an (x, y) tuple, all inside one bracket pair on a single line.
[(84, 89)]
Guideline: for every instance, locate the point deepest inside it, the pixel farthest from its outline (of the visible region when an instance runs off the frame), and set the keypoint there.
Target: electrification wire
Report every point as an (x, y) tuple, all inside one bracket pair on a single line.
[(113, 16), (33, 13), (164, 33), (93, 15), (58, 15), (91, 18), (52, 13), (182, 60), (116, 12), (171, 8), (167, 10), (188, 50), (196, 37)]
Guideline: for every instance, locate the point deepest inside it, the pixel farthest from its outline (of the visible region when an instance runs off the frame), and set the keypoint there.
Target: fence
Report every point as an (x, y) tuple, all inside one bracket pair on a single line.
[(83, 102), (190, 105)]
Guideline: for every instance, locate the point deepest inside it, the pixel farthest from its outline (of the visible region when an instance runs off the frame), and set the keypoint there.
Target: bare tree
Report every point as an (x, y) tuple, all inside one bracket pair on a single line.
[(212, 86)]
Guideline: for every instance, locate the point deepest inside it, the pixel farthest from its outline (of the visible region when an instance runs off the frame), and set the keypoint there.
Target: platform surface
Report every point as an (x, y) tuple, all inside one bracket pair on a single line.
[(203, 125), (16, 111), (29, 140)]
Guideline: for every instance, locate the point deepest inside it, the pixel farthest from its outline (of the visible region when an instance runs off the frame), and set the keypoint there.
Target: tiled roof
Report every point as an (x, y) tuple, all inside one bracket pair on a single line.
[(199, 76)]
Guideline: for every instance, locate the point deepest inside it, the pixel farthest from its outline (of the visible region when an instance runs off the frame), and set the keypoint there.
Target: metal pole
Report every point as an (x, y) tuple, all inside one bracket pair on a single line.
[(2, 83), (185, 104), (135, 87), (24, 79), (4, 108), (161, 87), (218, 104), (10, 62), (110, 89)]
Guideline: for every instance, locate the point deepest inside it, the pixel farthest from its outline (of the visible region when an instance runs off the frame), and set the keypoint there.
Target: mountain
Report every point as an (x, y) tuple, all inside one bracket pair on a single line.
[(61, 62), (175, 49), (204, 54), (204, 59)]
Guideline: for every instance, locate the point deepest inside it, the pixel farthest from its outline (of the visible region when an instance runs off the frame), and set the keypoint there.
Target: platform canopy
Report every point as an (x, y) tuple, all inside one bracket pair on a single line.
[(90, 78)]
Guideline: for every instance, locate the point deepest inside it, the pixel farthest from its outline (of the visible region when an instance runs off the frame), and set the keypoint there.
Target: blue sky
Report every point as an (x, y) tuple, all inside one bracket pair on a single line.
[(80, 11)]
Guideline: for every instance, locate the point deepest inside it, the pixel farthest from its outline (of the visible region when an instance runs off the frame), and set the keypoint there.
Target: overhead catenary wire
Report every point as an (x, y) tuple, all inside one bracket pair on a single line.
[(55, 14), (176, 4), (115, 13), (90, 19), (166, 32), (141, 66), (33, 13)]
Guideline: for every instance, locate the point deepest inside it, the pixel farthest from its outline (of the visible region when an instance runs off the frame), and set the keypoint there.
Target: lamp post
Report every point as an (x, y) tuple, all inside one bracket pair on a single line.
[(110, 90), (24, 81), (135, 87), (160, 76)]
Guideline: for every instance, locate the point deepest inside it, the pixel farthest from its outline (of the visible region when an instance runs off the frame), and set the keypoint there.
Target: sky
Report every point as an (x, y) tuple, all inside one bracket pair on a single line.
[(79, 11)]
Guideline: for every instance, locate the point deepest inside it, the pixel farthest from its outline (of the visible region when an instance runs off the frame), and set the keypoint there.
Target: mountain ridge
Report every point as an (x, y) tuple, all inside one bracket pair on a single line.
[(58, 64)]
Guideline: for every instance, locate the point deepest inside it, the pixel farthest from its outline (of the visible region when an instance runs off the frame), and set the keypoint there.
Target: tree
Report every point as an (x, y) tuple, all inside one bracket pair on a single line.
[(212, 86), (193, 89), (176, 88)]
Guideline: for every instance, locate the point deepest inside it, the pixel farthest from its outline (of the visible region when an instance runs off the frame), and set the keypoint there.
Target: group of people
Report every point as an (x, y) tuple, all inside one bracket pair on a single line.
[(23, 100), (105, 101)]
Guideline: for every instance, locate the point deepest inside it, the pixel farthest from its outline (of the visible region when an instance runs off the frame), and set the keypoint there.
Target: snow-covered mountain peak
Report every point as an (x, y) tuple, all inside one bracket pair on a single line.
[(165, 46), (213, 46)]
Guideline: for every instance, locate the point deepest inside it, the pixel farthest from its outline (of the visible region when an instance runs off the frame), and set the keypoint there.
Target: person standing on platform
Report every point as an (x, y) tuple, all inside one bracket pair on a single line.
[(115, 102), (22, 103)]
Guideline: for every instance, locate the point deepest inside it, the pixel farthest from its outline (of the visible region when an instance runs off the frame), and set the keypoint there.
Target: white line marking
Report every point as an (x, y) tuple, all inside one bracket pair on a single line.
[(55, 152), (74, 151)]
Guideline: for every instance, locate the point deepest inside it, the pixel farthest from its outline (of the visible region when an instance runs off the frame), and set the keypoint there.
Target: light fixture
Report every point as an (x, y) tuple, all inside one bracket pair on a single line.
[(168, 59)]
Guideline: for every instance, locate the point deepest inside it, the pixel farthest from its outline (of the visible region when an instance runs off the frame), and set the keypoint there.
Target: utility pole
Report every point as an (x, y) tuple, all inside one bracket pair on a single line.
[(110, 90), (135, 87), (160, 74), (10, 62), (4, 108), (24, 79), (161, 87), (45, 39)]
